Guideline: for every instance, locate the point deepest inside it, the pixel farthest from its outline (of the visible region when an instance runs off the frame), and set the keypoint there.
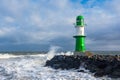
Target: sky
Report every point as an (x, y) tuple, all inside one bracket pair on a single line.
[(36, 25)]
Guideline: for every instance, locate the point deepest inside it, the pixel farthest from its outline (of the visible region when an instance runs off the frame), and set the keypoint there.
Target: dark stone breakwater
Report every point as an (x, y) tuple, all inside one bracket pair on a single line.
[(100, 65)]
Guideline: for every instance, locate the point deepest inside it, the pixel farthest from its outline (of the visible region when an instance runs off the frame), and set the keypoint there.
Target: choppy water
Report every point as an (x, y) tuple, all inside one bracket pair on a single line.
[(31, 67)]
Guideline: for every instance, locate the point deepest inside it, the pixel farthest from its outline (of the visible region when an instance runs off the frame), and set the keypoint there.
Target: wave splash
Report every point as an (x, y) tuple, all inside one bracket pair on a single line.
[(31, 67)]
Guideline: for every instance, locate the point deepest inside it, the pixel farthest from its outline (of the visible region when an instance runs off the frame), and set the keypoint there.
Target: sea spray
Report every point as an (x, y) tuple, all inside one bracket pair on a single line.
[(52, 52), (66, 53), (31, 67)]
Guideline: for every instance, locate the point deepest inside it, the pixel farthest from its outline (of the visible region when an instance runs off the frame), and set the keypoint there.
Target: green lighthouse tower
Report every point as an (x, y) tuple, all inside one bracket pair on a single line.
[(80, 36)]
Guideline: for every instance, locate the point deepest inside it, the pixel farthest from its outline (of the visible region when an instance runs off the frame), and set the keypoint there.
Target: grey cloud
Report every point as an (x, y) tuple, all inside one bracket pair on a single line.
[(47, 22)]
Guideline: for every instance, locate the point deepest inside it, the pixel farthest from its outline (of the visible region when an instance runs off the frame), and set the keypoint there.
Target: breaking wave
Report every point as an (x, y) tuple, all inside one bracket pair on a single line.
[(31, 67)]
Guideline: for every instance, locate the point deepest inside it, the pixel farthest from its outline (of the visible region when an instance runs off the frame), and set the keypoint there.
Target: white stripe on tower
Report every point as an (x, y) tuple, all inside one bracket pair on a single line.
[(80, 31)]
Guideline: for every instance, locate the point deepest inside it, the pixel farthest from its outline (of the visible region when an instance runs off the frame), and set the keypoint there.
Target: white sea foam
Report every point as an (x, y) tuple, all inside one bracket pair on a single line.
[(67, 53), (31, 67), (4, 56)]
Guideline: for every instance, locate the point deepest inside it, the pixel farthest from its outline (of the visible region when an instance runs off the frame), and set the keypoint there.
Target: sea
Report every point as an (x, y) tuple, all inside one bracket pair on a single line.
[(30, 66)]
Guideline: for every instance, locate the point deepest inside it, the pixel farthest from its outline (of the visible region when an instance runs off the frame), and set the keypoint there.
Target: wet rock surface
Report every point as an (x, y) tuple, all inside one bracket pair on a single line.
[(100, 65)]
